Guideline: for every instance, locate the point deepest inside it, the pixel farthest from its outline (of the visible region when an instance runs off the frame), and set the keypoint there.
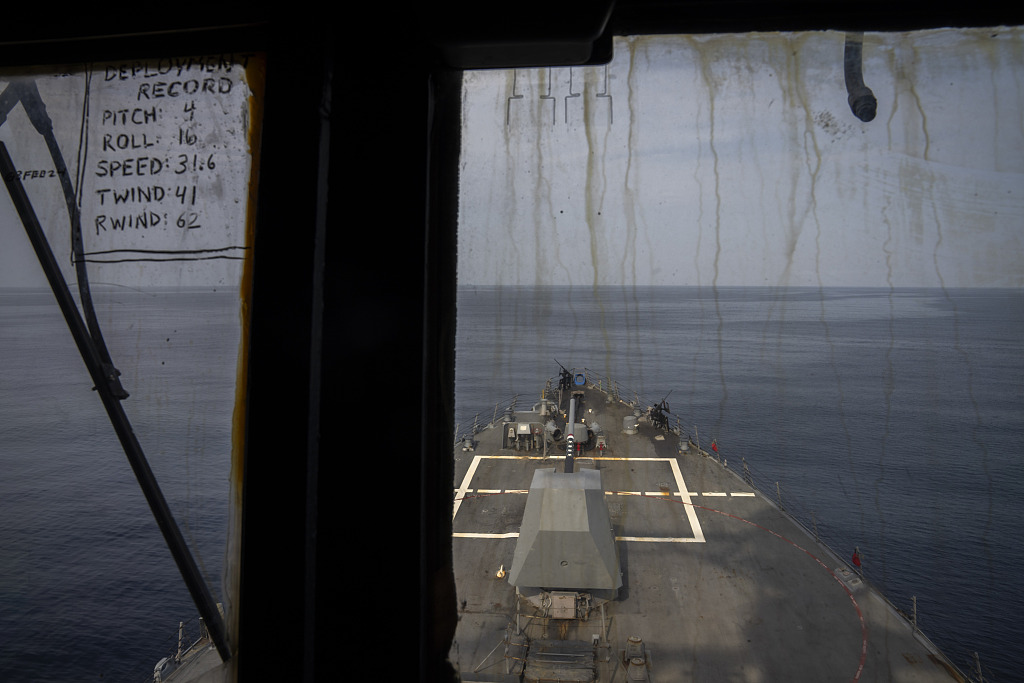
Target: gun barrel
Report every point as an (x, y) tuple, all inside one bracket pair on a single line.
[(570, 436)]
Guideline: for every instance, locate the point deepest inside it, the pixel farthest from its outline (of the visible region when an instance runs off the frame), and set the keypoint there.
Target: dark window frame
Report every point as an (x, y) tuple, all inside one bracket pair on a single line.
[(349, 398)]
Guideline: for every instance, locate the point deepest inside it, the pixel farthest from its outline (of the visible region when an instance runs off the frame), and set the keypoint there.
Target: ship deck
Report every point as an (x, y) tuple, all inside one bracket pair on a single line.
[(718, 582)]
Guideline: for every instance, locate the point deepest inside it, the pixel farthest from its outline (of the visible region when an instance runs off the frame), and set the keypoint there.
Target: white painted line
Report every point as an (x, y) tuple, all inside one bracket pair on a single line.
[(749, 494), (691, 514), (511, 534), (522, 457), (653, 539), (714, 493), (627, 539), (650, 494), (684, 495), (461, 493), (612, 459)]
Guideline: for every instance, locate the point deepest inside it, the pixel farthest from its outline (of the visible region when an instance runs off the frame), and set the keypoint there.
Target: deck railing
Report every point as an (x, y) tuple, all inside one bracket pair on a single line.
[(179, 647), (483, 419)]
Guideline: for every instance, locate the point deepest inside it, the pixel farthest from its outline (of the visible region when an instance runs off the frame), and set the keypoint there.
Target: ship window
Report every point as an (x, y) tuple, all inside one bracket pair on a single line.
[(821, 260), (139, 176)]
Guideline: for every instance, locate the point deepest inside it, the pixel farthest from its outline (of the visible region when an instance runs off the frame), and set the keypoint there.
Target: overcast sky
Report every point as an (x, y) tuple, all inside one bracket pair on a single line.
[(726, 160)]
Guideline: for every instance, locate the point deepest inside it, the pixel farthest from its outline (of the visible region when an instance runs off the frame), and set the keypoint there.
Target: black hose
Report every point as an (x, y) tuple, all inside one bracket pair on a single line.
[(862, 101)]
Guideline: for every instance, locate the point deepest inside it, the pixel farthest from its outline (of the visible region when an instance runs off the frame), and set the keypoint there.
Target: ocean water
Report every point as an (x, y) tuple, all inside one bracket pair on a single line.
[(890, 420), (88, 588)]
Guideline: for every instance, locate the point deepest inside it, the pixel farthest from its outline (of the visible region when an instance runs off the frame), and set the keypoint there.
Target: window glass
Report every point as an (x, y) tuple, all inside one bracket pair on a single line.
[(834, 298), (139, 174)]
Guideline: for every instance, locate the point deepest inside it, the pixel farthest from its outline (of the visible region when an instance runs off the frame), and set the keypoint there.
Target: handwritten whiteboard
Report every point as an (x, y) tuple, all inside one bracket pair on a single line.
[(154, 156)]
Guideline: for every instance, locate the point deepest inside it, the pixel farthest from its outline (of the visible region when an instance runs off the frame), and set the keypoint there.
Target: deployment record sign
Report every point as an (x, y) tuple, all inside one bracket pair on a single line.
[(158, 161)]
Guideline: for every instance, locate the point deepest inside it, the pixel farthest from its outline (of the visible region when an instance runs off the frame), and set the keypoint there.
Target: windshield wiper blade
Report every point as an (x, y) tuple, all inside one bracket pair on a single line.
[(105, 381)]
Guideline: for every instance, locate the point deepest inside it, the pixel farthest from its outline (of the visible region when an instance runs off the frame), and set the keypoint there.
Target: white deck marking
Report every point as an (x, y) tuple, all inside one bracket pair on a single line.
[(461, 493), (649, 494), (511, 534), (684, 495), (659, 539), (691, 514), (611, 459), (666, 494)]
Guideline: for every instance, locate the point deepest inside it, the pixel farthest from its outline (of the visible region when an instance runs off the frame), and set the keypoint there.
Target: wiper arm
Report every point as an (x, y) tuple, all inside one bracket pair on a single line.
[(104, 377), (26, 92)]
